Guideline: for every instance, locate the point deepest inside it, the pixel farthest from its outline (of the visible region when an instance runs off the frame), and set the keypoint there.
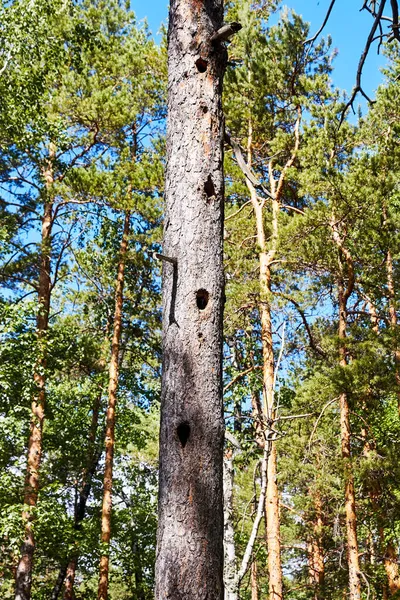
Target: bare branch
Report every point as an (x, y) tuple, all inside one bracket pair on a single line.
[(318, 420), (358, 87), (328, 14), (239, 376), (243, 165), (259, 516)]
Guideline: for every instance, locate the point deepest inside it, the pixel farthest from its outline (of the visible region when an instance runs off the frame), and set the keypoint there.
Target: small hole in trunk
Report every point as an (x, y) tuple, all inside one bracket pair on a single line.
[(202, 297), (183, 431), (201, 65), (209, 187)]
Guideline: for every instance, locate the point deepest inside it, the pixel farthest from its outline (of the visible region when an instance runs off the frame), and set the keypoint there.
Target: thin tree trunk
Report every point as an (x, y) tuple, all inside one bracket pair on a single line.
[(67, 570), (391, 559), (80, 511), (316, 551), (23, 583), (272, 495), (230, 566), (69, 593), (392, 305), (350, 502), (190, 531), (110, 423), (254, 580), (139, 591), (59, 583)]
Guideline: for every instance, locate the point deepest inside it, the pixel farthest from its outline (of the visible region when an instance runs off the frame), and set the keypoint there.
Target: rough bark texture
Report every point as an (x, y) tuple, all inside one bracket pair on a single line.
[(190, 532), (350, 500), (254, 581), (392, 568), (23, 582), (110, 422), (316, 551), (70, 579)]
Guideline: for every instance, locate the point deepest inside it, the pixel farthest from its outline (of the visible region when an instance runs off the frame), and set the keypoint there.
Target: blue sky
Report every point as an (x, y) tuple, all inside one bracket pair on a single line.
[(347, 25)]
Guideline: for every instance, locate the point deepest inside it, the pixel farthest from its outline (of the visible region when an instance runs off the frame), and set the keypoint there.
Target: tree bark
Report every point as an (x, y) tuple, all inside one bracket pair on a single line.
[(254, 580), (316, 551), (70, 579), (230, 563), (190, 532), (345, 433), (272, 495), (392, 301), (59, 582), (23, 582), (110, 422), (392, 568)]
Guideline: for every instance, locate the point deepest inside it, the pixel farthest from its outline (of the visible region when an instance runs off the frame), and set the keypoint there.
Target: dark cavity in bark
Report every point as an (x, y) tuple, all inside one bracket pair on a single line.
[(202, 297), (201, 65), (183, 432), (209, 187)]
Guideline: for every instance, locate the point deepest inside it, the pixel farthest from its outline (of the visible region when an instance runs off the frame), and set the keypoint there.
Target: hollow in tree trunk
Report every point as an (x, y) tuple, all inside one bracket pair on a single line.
[(190, 555)]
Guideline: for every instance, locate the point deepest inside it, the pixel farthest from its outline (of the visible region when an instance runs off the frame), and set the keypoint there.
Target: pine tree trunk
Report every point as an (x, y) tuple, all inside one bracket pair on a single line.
[(190, 531), (350, 501), (316, 551), (110, 423), (23, 583), (254, 580), (391, 554), (392, 568), (70, 579), (393, 320), (272, 496)]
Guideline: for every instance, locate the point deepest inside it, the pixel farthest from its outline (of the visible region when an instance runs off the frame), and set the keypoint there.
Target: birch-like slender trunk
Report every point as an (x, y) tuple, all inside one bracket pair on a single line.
[(190, 555), (110, 420), (23, 582), (230, 561)]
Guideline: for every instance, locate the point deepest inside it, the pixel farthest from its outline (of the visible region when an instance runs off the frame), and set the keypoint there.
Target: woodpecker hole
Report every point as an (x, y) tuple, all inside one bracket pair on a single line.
[(209, 187), (183, 431), (202, 297), (201, 65)]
